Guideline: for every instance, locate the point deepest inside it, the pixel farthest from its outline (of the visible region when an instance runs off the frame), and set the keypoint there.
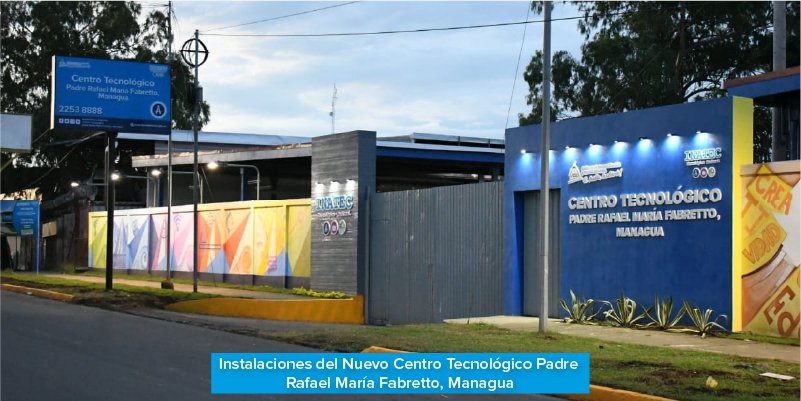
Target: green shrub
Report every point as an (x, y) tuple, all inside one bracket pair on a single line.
[(702, 322), (626, 313), (662, 311), (580, 311), (316, 294)]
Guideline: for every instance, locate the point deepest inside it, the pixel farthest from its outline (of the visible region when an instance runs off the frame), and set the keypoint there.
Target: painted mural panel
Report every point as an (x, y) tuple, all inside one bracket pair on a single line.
[(120, 247), (97, 240), (771, 238), (270, 241), (299, 240), (137, 235), (182, 241), (238, 242), (158, 242), (211, 237), (268, 238)]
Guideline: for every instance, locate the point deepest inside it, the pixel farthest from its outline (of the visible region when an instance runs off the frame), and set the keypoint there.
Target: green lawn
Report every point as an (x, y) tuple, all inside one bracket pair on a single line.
[(262, 288), (665, 372), (95, 294)]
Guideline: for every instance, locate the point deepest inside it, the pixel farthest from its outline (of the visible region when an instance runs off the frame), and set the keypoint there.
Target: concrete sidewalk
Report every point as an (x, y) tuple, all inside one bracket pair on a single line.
[(222, 291), (729, 346)]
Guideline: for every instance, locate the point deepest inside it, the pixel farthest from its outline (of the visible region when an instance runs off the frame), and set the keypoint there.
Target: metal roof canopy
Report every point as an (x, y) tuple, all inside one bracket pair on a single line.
[(282, 147), (769, 89)]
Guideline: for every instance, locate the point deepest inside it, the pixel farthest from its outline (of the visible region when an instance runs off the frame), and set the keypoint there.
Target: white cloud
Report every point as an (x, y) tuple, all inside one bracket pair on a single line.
[(455, 82)]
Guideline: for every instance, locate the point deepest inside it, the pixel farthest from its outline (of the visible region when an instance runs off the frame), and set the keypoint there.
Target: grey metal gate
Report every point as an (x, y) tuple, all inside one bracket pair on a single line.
[(532, 263), (436, 254)]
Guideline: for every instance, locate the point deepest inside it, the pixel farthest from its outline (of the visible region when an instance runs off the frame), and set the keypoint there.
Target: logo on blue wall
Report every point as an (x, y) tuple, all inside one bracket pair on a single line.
[(698, 157), (594, 172)]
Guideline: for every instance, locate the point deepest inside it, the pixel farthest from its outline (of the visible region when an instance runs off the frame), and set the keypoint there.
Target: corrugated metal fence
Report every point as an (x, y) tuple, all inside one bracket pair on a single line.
[(436, 254)]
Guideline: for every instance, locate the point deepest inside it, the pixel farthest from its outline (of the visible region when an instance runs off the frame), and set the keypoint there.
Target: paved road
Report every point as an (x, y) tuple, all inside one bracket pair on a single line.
[(58, 351)]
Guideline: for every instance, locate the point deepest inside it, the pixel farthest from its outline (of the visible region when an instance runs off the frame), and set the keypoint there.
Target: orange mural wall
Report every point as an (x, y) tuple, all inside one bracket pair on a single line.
[(261, 238), (771, 242)]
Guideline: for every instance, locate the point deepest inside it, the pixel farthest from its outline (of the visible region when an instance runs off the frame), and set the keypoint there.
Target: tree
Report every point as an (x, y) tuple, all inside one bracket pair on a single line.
[(645, 54), (32, 32)]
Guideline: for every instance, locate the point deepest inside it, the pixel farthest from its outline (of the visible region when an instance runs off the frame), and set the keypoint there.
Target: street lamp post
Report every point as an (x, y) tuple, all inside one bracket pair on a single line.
[(115, 176), (215, 165), (157, 173)]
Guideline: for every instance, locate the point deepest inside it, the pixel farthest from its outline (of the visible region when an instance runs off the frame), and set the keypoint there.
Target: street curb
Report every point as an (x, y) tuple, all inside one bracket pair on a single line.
[(380, 350), (597, 393), (58, 296), (344, 311), (601, 393)]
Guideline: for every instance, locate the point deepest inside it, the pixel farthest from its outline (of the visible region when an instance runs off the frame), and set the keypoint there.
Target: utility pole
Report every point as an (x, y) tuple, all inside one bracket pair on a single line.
[(195, 177), (544, 163), (778, 150), (167, 284), (191, 54)]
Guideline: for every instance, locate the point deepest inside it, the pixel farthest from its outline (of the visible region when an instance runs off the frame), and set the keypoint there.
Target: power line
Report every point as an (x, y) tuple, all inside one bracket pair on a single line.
[(280, 17), (517, 67), (452, 28)]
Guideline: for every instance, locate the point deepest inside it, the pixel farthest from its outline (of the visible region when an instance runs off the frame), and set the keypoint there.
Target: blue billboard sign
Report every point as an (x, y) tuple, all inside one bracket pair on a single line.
[(110, 95), (20, 217)]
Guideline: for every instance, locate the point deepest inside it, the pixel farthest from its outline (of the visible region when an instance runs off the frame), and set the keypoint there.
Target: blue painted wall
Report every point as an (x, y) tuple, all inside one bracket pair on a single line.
[(693, 259)]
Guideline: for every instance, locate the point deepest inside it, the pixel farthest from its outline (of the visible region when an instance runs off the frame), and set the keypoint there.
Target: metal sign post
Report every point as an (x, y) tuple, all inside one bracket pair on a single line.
[(187, 53), (110, 156)]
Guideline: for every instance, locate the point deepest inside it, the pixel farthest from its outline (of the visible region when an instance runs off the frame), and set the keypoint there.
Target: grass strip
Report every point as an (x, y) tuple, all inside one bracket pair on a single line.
[(665, 372), (122, 296), (177, 280)]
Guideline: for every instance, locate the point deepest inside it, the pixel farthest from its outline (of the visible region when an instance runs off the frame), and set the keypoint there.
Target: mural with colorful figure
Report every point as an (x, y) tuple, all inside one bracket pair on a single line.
[(263, 238), (771, 248)]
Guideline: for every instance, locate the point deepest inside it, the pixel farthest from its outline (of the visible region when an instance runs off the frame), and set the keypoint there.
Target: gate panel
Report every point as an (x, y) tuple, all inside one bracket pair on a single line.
[(436, 254)]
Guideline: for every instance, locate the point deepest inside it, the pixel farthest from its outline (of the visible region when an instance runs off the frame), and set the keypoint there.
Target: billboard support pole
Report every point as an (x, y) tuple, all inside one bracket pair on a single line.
[(111, 138), (38, 239)]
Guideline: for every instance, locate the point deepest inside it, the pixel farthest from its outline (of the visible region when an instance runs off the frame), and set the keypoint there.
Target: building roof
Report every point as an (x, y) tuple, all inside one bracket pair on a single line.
[(767, 89), (259, 146)]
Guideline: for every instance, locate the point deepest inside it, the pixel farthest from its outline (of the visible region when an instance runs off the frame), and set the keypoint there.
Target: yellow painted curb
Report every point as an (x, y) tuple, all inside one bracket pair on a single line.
[(380, 350), (597, 393), (601, 393), (58, 296), (349, 311)]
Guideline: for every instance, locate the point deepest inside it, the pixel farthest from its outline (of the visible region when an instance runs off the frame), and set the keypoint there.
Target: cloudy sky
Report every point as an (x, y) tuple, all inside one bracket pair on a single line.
[(456, 82)]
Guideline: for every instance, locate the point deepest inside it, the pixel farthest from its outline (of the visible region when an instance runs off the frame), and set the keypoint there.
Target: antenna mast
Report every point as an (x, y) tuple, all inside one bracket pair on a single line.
[(333, 108)]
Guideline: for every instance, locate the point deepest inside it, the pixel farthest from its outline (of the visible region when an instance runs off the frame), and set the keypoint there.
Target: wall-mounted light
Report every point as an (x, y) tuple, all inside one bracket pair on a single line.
[(643, 138), (523, 151), (669, 134), (592, 144), (567, 147), (334, 182), (349, 180)]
